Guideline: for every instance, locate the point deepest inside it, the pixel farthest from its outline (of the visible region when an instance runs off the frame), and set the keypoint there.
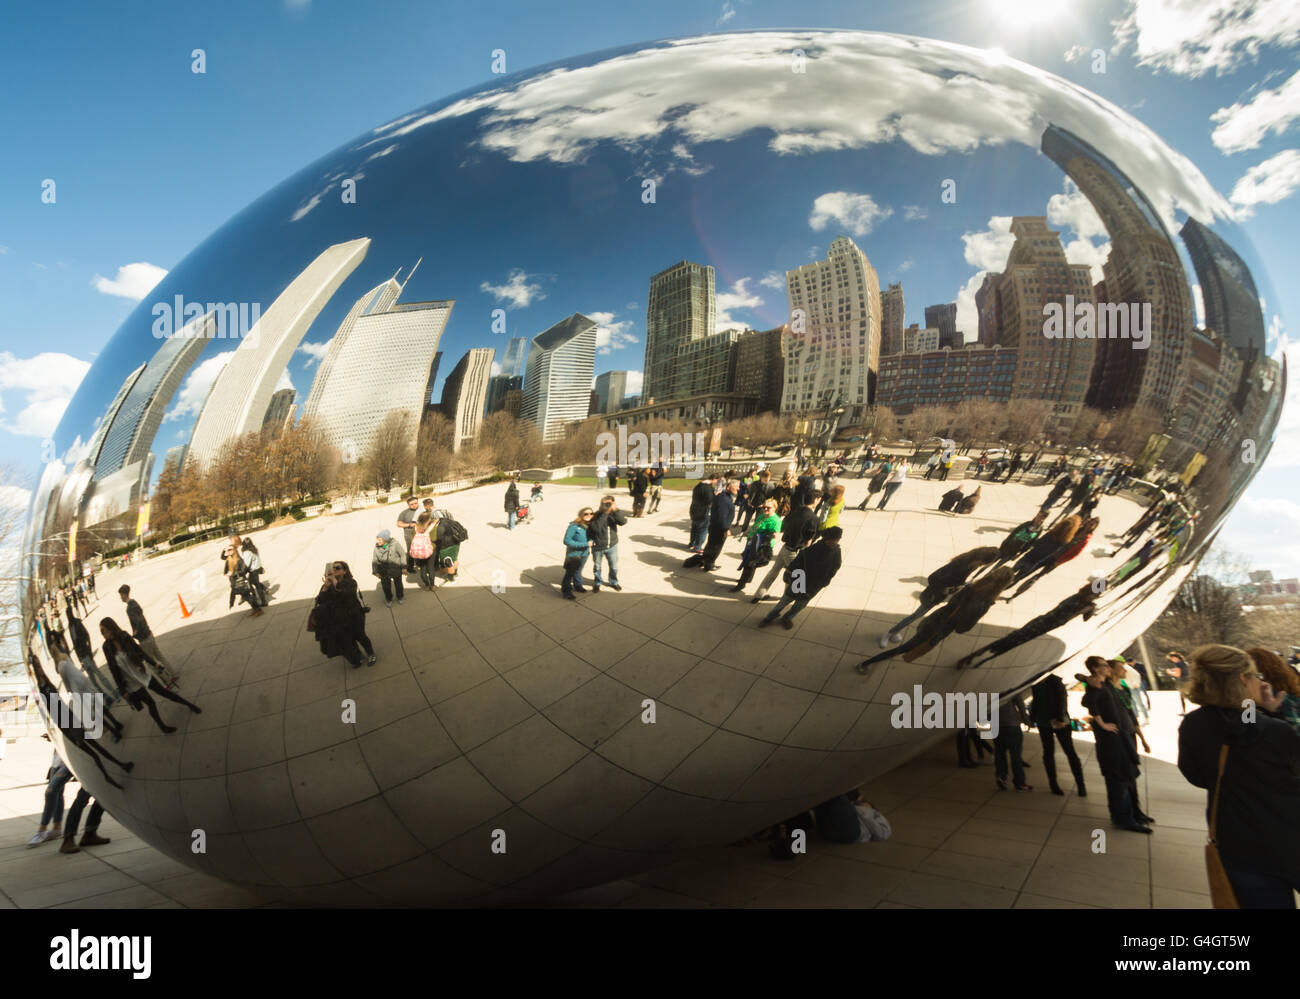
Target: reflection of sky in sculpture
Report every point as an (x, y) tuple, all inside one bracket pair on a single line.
[(544, 175)]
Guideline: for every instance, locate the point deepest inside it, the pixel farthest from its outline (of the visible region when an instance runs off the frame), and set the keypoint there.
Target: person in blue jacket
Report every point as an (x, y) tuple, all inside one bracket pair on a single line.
[(576, 548)]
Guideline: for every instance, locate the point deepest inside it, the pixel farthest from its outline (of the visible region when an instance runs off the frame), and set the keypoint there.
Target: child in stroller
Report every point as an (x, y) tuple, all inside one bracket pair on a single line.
[(521, 515)]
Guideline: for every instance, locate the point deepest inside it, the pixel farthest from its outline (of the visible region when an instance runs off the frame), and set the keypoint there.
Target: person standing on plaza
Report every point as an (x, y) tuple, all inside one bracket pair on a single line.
[(51, 826), (1010, 741), (946, 462), (406, 523), (811, 572), (931, 464), (602, 530), (720, 518), (656, 477), (136, 672), (421, 552), (758, 544), (1178, 671), (577, 546), (512, 502), (701, 506), (940, 585), (1116, 753), (895, 482), (877, 482), (613, 476), (387, 561), (798, 531), (253, 563), (1050, 711), (339, 617), (81, 646), (1283, 680), (639, 486), (602, 472), (1250, 764), (144, 636), (760, 491), (78, 686), (91, 836)]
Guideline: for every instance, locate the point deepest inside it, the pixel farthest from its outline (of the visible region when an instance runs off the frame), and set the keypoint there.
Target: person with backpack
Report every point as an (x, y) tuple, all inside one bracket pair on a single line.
[(387, 562), (253, 563), (811, 572), (449, 535), (421, 553), (798, 531), (237, 571), (758, 544)]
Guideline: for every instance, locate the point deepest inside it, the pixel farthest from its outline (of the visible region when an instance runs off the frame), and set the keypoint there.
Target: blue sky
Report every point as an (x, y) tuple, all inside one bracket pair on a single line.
[(150, 158)]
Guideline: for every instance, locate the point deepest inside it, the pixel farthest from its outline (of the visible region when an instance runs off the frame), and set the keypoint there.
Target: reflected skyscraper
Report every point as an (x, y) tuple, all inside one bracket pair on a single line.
[(464, 394), (832, 348), (611, 387), (243, 390), (515, 358), (892, 320), (682, 309), (557, 386)]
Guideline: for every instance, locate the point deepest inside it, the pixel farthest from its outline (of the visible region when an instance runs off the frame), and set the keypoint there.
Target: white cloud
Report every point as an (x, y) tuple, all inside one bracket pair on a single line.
[(1244, 126), (133, 281), (634, 379), (190, 399), (496, 368), (4, 250), (518, 292), (1198, 305), (284, 381), (728, 12), (857, 213), (611, 335), (988, 249), (1075, 52), (774, 280), (968, 320), (1267, 183), (933, 97), (914, 213), (315, 351), (45, 382), (906, 265), (739, 297), (1286, 447), (1192, 37)]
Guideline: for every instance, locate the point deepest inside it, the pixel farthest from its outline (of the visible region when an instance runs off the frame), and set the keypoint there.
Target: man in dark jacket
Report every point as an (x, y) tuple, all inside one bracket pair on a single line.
[(1009, 742), (638, 487), (512, 504), (701, 506), (759, 492), (723, 513), (656, 477), (798, 531), (603, 534), (809, 574), (1116, 752), (1051, 714)]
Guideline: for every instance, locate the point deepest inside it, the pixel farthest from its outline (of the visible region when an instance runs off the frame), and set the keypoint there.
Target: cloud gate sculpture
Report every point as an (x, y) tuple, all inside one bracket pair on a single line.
[(774, 192)]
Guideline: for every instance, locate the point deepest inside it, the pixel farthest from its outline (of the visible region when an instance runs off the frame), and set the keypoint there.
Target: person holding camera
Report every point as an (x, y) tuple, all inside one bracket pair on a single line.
[(339, 616), (602, 530)]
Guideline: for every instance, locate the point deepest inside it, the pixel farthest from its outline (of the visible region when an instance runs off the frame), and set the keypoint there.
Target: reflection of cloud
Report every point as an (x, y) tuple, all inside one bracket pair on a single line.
[(133, 281), (934, 97), (496, 368), (47, 382), (774, 280), (1192, 37), (634, 379), (1286, 447), (739, 297), (284, 382), (989, 248), (906, 265), (519, 292), (1267, 183), (914, 213), (190, 399), (315, 351), (1198, 305), (611, 335), (856, 213), (728, 12), (968, 319), (1244, 126), (1075, 53)]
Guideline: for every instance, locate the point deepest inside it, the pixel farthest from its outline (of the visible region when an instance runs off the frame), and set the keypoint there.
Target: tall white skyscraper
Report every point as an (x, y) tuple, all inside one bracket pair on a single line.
[(464, 395), (515, 358), (383, 359), (832, 344), (557, 384), (239, 397)]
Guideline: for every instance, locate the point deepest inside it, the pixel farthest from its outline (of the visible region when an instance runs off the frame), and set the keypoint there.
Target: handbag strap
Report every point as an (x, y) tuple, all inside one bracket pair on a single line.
[(1218, 781)]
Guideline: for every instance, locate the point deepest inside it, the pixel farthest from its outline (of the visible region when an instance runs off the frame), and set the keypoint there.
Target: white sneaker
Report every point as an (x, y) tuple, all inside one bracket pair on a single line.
[(895, 638), (883, 641)]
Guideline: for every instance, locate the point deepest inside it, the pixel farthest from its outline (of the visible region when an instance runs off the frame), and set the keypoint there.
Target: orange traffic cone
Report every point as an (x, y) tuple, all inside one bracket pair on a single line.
[(185, 612)]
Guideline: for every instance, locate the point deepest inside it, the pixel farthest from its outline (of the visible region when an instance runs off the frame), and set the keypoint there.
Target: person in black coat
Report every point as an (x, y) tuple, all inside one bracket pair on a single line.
[(940, 585), (701, 506), (512, 503), (638, 487), (603, 534), (1067, 481), (723, 513), (1259, 797), (1082, 602), (340, 618), (1050, 712), (1116, 752), (810, 573)]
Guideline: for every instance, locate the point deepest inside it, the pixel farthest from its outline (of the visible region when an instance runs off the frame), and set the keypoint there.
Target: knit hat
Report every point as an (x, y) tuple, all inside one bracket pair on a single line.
[(385, 535)]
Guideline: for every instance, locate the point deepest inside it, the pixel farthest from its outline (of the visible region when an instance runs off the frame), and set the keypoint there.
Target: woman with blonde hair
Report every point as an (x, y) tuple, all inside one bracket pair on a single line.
[(1235, 743)]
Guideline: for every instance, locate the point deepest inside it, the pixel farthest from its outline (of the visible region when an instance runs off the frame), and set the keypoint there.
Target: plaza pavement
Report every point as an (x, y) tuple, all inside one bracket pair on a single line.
[(493, 691), (957, 843)]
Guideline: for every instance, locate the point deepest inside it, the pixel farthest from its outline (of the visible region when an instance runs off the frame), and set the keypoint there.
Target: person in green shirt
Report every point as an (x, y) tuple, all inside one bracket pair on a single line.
[(758, 544)]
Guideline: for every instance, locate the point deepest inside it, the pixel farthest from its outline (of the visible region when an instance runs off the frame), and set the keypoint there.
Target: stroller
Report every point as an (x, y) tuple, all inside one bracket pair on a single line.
[(536, 495), (522, 515)]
